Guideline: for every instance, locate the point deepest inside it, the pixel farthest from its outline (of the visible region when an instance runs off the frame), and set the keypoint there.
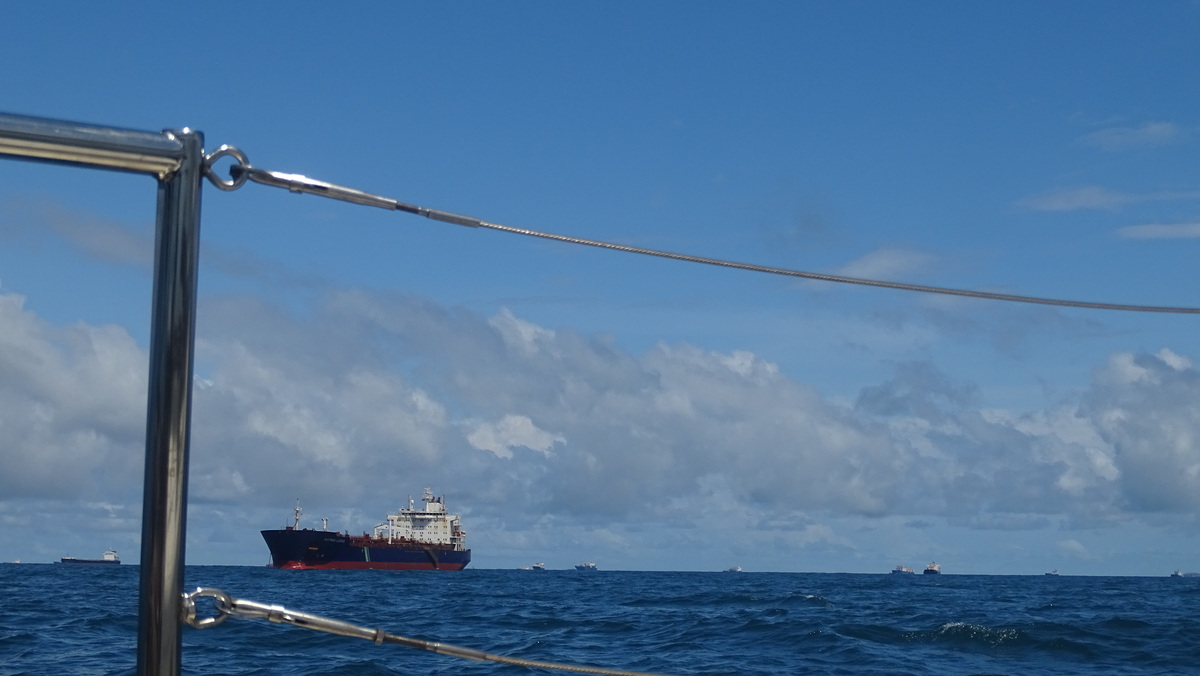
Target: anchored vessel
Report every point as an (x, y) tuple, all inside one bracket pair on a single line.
[(110, 559), (933, 569), (410, 539), (902, 570), (589, 566)]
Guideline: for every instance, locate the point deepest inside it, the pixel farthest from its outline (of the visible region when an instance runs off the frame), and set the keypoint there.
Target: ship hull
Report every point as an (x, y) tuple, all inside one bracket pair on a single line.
[(322, 550)]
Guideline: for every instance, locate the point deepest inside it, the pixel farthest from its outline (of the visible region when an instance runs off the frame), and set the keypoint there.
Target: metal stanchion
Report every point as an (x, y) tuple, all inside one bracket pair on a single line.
[(168, 411), (176, 160)]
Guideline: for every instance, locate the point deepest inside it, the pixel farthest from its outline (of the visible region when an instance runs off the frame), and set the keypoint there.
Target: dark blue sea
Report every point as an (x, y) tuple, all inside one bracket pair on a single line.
[(57, 619)]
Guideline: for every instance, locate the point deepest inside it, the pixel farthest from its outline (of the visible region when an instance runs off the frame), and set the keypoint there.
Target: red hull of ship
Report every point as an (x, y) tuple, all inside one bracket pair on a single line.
[(368, 565)]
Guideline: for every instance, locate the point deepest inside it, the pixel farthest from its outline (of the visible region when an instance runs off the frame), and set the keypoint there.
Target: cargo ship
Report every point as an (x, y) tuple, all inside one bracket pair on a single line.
[(411, 539), (110, 559)]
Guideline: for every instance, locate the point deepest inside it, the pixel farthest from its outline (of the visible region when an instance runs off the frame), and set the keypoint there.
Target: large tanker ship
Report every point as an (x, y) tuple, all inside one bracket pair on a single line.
[(410, 539)]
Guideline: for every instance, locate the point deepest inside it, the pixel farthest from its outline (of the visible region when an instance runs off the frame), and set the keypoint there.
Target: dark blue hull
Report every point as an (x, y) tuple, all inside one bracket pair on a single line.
[(304, 549)]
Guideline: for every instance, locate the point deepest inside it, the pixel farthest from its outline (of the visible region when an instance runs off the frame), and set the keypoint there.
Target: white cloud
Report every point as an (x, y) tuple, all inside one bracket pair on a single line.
[(509, 432), (72, 406), (888, 263), (1075, 199), (1147, 135), (1094, 197), (525, 336), (375, 395), (1160, 231), (1143, 408), (1175, 361), (1074, 548)]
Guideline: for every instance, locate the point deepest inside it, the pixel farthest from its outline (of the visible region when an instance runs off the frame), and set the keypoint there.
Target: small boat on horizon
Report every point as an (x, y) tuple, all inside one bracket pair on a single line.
[(1053, 573), (586, 566), (933, 569), (539, 566), (733, 569)]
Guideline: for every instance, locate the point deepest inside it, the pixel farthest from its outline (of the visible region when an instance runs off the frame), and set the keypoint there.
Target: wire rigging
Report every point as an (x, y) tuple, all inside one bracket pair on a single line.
[(243, 171), (229, 606)]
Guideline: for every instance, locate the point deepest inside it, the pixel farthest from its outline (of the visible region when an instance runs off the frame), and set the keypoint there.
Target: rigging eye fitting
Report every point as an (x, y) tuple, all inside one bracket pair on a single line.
[(222, 601), (236, 178)]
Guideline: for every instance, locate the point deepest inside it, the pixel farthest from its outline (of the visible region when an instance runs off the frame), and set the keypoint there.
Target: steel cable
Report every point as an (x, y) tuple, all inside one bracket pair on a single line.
[(229, 606), (302, 184)]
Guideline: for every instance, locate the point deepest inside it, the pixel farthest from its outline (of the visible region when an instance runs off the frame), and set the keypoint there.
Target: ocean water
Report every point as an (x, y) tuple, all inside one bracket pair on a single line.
[(58, 619)]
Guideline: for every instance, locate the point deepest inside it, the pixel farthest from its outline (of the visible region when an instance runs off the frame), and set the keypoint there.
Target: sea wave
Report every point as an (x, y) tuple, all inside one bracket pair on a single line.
[(59, 620)]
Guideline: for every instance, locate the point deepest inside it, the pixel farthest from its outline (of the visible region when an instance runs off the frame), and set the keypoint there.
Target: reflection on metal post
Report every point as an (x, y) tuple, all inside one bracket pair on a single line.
[(168, 415), (85, 145)]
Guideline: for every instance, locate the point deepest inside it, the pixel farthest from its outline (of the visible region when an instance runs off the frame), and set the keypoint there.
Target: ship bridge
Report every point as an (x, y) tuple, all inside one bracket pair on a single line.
[(430, 525)]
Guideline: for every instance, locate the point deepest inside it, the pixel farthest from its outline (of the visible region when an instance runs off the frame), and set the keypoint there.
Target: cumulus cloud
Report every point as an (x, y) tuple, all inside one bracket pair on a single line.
[(72, 406), (1145, 412), (509, 432), (367, 394)]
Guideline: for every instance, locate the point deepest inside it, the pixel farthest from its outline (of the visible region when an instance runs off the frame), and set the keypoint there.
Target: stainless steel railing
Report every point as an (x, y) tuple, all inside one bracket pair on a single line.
[(176, 160)]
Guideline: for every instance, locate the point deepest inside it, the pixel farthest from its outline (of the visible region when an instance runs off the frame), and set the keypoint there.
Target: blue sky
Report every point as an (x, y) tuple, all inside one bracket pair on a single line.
[(575, 404)]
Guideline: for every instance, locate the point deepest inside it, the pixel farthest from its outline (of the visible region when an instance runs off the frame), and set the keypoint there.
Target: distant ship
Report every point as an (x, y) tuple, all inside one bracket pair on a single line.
[(902, 570), (1053, 573), (110, 559), (586, 566), (933, 569), (733, 569), (411, 539), (539, 566)]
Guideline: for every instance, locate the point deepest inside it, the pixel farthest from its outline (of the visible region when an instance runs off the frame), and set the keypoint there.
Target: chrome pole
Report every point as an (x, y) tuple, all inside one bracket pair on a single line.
[(168, 411), (35, 138), (176, 160)]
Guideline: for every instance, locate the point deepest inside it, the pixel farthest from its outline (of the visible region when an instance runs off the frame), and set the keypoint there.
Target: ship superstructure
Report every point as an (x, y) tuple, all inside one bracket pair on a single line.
[(431, 525), (429, 538)]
